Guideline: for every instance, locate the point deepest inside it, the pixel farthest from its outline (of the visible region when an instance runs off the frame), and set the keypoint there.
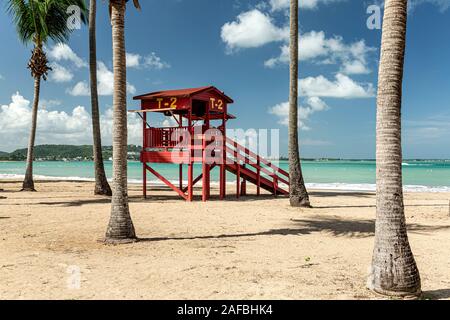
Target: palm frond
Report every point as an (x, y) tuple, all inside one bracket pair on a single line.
[(41, 20), (136, 4), (22, 16)]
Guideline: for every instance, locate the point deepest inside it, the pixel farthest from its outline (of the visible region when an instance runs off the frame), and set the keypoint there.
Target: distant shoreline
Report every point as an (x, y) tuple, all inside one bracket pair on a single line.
[(83, 153)]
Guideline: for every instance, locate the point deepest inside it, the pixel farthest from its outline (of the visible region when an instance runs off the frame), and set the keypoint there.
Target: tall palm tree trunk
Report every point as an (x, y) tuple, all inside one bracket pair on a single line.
[(394, 271), (120, 228), (28, 182), (101, 183), (298, 195)]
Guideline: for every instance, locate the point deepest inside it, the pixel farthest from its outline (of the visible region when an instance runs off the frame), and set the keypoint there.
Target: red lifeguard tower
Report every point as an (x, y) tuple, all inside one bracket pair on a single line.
[(192, 142)]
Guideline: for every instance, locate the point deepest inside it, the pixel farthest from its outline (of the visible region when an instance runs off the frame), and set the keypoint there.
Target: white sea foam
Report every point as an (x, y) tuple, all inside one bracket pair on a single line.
[(10, 176), (372, 187), (318, 186), (406, 164)]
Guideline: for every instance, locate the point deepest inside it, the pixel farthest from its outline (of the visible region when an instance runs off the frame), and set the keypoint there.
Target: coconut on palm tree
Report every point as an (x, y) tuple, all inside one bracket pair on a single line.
[(298, 195), (37, 22), (101, 183), (394, 271), (120, 228)]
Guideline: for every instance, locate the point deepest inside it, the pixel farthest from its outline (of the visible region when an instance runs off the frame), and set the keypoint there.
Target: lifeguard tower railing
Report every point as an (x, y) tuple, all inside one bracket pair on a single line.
[(165, 138)]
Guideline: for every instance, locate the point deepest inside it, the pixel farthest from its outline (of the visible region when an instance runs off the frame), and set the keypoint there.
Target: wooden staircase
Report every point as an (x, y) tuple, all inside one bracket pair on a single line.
[(249, 166)]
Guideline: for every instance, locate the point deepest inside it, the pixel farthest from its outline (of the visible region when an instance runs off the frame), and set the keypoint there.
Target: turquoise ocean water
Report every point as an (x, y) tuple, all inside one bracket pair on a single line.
[(419, 175)]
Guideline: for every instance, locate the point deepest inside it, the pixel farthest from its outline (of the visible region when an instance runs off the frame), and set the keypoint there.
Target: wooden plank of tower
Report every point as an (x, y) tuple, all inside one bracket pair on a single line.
[(207, 167), (205, 183), (190, 164), (223, 175), (181, 164), (144, 169), (204, 166), (238, 170), (258, 178)]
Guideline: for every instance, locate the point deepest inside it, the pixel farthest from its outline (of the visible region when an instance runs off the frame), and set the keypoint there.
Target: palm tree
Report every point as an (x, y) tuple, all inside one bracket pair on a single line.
[(298, 195), (394, 271), (101, 183), (120, 228), (37, 22)]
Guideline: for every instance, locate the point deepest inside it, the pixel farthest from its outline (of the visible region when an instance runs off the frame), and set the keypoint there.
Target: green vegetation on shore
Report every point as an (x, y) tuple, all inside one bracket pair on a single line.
[(52, 152)]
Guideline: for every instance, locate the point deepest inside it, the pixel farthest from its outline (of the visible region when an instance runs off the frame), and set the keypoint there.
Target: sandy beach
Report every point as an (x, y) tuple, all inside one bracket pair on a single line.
[(252, 248)]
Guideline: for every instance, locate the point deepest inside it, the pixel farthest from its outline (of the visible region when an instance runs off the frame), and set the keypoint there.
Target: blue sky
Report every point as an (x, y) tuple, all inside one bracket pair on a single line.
[(238, 46)]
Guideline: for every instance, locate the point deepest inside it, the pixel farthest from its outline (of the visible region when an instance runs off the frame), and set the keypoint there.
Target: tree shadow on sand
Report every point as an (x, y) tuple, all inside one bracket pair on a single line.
[(374, 206), (155, 196), (437, 294), (324, 194), (76, 201), (328, 225)]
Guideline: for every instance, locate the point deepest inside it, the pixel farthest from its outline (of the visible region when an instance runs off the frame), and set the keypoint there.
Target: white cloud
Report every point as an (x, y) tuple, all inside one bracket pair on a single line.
[(341, 87), (1, 77), (105, 80), (315, 46), (49, 104), (105, 86), (256, 28), (429, 129), (57, 127), (169, 122), (311, 45), (151, 61), (311, 106), (443, 5), (80, 89), (354, 67), (62, 52), (134, 128), (304, 4), (14, 116), (133, 60), (252, 29), (279, 4), (60, 73)]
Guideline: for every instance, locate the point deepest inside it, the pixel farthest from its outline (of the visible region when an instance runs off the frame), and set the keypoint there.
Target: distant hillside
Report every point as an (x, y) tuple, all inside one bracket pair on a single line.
[(65, 152)]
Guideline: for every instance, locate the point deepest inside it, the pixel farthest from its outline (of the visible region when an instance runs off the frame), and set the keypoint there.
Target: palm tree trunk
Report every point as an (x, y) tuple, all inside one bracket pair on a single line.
[(298, 195), (101, 183), (394, 271), (28, 183), (120, 228)]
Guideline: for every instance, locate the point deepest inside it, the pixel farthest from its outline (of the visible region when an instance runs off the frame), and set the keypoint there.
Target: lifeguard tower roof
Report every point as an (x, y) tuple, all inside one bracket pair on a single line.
[(195, 103), (183, 93)]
